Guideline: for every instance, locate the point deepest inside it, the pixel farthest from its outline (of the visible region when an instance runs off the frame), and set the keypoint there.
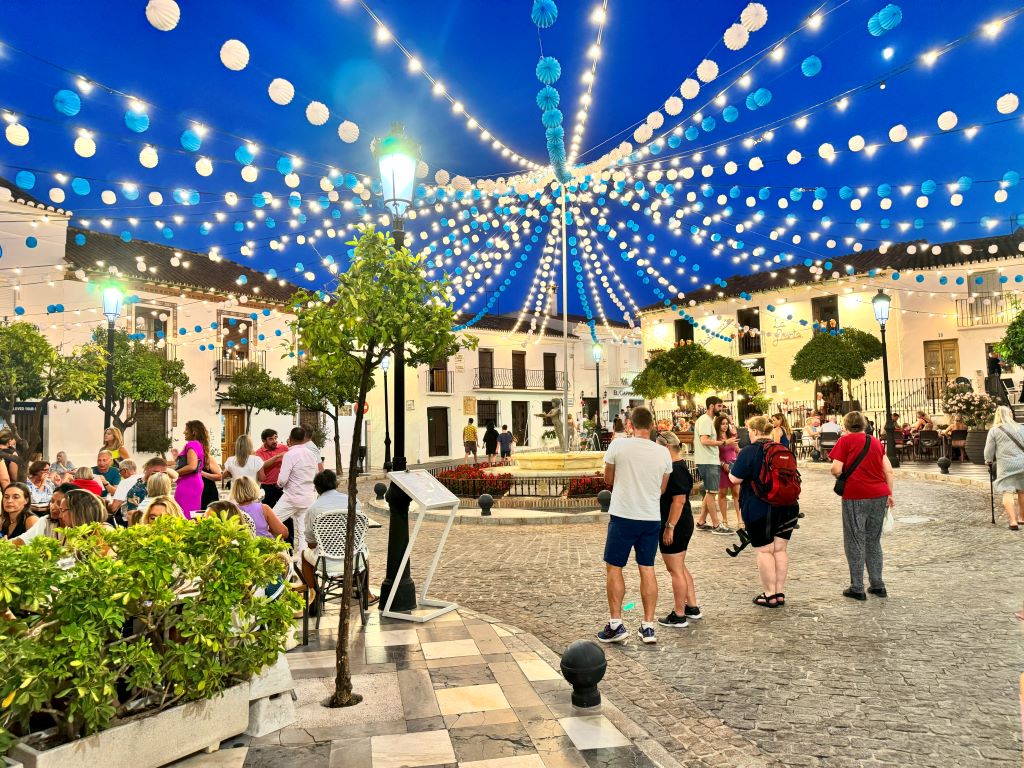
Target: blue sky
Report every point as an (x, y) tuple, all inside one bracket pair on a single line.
[(486, 53)]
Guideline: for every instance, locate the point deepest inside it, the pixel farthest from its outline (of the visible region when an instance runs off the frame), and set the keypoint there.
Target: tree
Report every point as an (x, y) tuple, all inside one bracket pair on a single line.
[(720, 373), (320, 388), (866, 345), (826, 357), (34, 370), (381, 301), (1011, 348), (256, 390), (142, 374), (669, 371)]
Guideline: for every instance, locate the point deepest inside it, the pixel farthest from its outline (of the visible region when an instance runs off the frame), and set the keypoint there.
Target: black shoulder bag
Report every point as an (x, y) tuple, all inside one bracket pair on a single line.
[(840, 485)]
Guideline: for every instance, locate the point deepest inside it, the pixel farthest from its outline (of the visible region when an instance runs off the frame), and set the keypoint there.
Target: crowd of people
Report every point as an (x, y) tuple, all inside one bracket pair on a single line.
[(279, 488)]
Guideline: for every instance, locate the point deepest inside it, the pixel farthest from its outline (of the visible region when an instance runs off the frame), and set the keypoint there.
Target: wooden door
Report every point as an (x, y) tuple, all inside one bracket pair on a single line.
[(234, 427), (486, 368), (518, 370), (521, 421), (941, 364), (550, 378), (437, 432)]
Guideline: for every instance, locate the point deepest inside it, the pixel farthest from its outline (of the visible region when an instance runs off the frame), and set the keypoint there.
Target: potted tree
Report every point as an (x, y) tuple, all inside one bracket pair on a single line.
[(976, 409)]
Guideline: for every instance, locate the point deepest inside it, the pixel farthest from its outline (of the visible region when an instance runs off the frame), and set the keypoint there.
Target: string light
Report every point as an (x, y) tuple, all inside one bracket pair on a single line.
[(599, 17)]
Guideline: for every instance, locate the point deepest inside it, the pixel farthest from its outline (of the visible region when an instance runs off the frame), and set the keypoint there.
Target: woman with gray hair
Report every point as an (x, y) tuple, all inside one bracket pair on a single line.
[(1004, 446)]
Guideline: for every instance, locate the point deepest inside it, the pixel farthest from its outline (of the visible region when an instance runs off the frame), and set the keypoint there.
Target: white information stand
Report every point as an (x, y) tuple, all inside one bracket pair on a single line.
[(429, 495)]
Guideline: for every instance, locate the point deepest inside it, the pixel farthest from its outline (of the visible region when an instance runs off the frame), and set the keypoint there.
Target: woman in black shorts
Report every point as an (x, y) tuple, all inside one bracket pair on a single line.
[(676, 530), (769, 528)]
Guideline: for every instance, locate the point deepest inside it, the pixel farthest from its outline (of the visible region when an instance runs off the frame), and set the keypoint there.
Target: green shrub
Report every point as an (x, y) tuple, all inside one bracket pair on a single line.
[(120, 622)]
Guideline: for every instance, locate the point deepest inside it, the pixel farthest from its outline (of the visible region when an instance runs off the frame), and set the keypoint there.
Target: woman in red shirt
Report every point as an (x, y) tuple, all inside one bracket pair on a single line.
[(867, 494)]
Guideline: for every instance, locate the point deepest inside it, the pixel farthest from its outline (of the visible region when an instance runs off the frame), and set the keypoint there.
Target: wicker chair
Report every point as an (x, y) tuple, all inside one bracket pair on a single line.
[(330, 529)]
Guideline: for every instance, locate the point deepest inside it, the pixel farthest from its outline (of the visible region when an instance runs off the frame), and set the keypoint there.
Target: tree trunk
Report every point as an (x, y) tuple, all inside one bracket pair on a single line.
[(343, 695), (337, 437)]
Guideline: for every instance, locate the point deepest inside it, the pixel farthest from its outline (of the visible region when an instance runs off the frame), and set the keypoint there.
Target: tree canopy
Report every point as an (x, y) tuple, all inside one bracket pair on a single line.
[(690, 368), (1011, 348), (253, 388), (142, 374), (826, 356), (322, 389)]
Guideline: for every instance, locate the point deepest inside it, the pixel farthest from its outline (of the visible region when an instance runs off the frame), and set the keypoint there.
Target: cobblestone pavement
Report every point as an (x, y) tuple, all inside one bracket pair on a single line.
[(928, 677)]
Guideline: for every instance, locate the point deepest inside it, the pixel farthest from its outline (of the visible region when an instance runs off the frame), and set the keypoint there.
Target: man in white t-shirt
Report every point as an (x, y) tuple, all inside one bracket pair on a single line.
[(298, 467), (638, 469), (709, 466)]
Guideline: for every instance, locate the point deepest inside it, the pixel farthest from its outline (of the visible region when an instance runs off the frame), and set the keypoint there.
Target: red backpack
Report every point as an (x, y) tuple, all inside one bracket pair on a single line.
[(778, 483)]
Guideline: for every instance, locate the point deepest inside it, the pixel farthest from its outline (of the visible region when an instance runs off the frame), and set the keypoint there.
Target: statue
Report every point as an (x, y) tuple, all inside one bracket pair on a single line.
[(555, 414)]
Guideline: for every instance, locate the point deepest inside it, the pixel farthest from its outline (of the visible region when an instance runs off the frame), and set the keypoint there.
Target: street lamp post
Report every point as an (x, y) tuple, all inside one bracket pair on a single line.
[(881, 306), (384, 365), (597, 391), (112, 299), (397, 156)]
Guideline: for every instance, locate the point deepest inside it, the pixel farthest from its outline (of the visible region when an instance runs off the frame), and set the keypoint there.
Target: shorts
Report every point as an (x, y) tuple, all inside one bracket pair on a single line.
[(624, 535), (505, 454), (680, 534), (777, 525), (709, 474), (471, 447)]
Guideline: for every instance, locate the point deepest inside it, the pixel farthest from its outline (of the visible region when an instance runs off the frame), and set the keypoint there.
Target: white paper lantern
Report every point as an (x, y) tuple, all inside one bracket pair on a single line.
[(856, 143), (57, 195), (17, 134), (422, 169), (956, 199), (148, 157), (292, 180), (947, 120), (250, 174), (731, 168), (442, 177), (1000, 196), (643, 134), (736, 37), (1007, 103), (317, 113), (674, 105), (108, 197), (234, 55), (281, 91), (85, 147), (689, 88), (655, 120), (326, 184), (163, 14), (348, 132), (230, 198), (755, 164), (754, 16), (707, 71), (885, 203), (898, 133), (826, 151), (204, 167), (155, 198), (794, 157), (922, 201)]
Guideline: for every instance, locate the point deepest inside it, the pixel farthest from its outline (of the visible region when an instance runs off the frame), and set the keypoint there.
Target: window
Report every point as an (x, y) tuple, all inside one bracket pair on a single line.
[(154, 322), (235, 337), (749, 340), (825, 312), (151, 434), (487, 412), (684, 331)]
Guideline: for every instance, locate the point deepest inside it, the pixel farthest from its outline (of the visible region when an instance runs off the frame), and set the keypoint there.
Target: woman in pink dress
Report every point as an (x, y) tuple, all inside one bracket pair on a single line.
[(726, 456), (188, 491)]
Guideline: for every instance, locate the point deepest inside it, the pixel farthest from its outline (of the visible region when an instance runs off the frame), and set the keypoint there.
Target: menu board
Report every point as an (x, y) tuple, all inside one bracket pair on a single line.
[(424, 488)]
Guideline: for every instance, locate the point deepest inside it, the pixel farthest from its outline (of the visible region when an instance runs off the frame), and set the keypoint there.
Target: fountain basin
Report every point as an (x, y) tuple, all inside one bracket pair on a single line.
[(580, 461)]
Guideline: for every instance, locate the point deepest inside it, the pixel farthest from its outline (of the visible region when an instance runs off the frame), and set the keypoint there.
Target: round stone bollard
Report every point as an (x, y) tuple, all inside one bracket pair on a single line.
[(944, 463), (604, 498), (486, 501), (583, 666), (380, 489)]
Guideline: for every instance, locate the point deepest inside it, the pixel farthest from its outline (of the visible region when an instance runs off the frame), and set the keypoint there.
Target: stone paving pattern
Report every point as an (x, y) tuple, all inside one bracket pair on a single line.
[(928, 677)]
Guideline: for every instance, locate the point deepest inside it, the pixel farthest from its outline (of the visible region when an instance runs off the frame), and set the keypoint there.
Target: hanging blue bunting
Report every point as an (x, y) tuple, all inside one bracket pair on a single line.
[(548, 70), (544, 13)]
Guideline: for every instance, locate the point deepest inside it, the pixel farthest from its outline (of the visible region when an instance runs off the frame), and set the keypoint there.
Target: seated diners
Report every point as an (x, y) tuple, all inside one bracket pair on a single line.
[(246, 494), (41, 486), (16, 514), (158, 486), (48, 524), (225, 508), (129, 477), (84, 480), (159, 506), (62, 466), (82, 508)]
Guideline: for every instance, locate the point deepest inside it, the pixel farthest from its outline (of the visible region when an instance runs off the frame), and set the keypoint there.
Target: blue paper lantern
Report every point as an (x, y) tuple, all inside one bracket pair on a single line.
[(691, 133), (875, 26), (890, 17), (751, 104), (928, 187), (964, 183), (25, 179), (820, 193), (1011, 178), (31, 241), (79, 239), (190, 140), (547, 98), (548, 70), (136, 121), (68, 103), (883, 190), (544, 13), (244, 155), (552, 118), (810, 66), (81, 186), (130, 192), (285, 165), (708, 124), (730, 113), (126, 236), (762, 97), (19, 310), (845, 193)]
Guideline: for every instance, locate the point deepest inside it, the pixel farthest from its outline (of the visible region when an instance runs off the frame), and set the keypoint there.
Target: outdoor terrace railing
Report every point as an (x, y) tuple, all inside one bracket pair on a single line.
[(440, 382), (227, 367), (518, 379), (985, 309)]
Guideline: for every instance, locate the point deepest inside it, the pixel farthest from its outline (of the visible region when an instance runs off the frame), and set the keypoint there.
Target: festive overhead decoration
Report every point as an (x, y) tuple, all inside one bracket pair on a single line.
[(234, 55), (163, 14)]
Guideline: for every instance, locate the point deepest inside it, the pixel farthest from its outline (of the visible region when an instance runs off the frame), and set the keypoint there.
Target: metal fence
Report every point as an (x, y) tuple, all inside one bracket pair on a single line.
[(518, 378)]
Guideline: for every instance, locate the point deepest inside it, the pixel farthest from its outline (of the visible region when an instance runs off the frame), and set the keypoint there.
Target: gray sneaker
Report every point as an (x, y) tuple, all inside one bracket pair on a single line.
[(724, 530)]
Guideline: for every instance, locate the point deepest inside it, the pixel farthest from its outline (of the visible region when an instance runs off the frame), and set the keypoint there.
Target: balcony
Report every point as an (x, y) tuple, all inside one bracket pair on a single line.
[(440, 381), (985, 309), (227, 366), (518, 379), (749, 344)]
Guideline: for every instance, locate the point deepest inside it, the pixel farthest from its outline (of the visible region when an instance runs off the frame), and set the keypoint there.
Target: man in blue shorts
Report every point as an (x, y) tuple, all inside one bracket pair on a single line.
[(505, 441), (638, 469)]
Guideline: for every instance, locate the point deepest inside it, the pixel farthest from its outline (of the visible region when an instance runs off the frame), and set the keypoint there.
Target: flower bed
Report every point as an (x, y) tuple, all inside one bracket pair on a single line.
[(120, 623), (590, 485), (472, 480)]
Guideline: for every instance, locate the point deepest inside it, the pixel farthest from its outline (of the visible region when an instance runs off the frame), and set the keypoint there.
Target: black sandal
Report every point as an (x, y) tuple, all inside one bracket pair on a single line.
[(780, 599), (764, 601)]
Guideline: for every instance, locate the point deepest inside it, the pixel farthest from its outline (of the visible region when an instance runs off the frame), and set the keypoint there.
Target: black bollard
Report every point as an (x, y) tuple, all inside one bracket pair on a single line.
[(380, 489), (604, 498), (583, 666), (944, 463), (486, 501)]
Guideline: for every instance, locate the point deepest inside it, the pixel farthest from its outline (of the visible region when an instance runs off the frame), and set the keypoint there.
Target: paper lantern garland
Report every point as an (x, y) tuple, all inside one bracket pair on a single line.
[(281, 91), (317, 113), (234, 55), (163, 14)]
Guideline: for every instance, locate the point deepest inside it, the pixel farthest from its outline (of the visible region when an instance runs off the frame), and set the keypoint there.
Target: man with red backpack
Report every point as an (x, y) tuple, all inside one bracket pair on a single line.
[(769, 497)]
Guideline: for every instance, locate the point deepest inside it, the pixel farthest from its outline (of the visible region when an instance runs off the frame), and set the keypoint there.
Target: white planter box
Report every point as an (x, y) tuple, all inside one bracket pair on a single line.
[(150, 742)]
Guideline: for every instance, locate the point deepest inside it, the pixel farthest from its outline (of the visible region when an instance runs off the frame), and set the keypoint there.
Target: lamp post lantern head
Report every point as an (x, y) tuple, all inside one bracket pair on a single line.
[(597, 353), (397, 156), (385, 363), (881, 303), (112, 300)]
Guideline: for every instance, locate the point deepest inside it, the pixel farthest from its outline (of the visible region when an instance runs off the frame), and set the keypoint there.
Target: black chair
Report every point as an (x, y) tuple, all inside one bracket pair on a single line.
[(826, 442), (928, 443), (957, 442)]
